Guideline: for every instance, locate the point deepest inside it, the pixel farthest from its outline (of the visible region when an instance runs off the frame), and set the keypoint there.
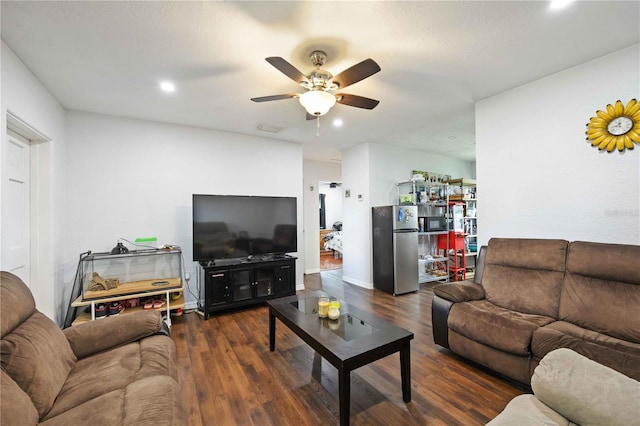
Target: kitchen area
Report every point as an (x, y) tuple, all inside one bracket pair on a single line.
[(428, 236)]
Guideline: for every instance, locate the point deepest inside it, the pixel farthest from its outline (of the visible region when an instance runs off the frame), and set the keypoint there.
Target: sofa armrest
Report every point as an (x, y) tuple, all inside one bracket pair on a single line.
[(460, 292), (584, 391), (439, 320), (445, 295), (96, 336)]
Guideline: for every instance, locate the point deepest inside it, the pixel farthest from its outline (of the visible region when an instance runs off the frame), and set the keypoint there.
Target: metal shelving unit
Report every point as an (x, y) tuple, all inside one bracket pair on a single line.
[(432, 201), (467, 195)]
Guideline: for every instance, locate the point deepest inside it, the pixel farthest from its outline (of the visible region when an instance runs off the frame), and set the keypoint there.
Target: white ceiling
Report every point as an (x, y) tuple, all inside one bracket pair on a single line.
[(437, 59)]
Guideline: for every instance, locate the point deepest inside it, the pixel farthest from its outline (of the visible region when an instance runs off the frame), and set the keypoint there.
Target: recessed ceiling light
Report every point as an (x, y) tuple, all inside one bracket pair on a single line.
[(559, 4), (167, 86), (338, 122)]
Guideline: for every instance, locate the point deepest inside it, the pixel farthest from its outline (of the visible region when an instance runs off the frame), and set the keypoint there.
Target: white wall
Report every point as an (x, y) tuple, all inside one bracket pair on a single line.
[(356, 213), (390, 164), (537, 175), (25, 97), (130, 178), (314, 172), (372, 170)]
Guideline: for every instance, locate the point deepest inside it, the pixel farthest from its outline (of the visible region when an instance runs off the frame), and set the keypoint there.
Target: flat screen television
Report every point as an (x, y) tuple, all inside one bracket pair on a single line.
[(237, 226)]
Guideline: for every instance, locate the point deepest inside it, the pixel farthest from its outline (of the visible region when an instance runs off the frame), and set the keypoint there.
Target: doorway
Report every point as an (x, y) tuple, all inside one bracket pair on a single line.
[(330, 220)]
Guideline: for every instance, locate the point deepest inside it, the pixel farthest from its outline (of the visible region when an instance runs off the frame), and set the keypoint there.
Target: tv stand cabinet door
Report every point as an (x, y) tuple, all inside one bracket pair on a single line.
[(265, 280), (240, 284), (285, 279), (216, 290)]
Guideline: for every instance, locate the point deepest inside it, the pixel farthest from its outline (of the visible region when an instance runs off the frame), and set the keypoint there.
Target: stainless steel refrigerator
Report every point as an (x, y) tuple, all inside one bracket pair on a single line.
[(395, 249)]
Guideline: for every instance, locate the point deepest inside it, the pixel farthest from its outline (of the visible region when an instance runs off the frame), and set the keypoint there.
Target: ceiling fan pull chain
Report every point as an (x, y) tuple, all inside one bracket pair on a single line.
[(317, 125)]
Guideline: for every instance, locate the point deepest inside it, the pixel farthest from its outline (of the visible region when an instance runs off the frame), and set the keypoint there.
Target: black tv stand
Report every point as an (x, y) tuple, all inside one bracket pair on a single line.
[(241, 282)]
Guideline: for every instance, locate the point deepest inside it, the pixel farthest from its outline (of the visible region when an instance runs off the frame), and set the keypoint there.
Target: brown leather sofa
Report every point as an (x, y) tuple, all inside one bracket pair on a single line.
[(114, 371), (531, 296)]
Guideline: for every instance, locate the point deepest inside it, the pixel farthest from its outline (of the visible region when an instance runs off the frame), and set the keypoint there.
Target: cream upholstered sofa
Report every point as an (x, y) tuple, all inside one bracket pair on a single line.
[(569, 389), (115, 371)]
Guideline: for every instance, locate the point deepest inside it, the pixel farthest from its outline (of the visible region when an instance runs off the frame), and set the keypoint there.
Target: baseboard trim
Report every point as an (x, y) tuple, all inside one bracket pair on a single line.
[(191, 305), (357, 282)]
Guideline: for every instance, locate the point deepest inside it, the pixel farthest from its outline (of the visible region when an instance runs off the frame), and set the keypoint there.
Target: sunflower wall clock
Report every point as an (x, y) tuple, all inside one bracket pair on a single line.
[(617, 127)]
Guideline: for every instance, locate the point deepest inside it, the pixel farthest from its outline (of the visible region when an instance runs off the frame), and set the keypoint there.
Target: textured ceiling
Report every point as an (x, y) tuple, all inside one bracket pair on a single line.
[(437, 59)]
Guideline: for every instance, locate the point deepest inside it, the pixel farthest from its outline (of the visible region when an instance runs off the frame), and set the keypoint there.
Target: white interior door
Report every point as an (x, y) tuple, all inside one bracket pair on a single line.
[(16, 252)]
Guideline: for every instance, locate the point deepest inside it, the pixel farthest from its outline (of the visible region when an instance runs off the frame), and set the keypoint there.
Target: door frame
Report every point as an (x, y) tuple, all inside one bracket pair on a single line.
[(40, 201), (22, 143)]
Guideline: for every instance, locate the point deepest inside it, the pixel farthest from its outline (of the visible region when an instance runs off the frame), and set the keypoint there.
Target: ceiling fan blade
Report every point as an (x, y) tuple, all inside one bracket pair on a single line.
[(358, 72), (275, 97), (356, 101), (311, 117), (287, 69)]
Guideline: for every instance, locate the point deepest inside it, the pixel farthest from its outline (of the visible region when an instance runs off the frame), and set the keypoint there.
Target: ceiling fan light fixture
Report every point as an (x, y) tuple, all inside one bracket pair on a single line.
[(317, 102)]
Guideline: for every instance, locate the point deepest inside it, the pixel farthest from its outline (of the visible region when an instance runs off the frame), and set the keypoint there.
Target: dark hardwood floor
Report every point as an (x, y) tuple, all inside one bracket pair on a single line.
[(230, 377)]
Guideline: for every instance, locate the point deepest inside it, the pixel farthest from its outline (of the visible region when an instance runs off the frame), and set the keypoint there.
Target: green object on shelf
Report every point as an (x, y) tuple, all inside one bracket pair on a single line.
[(149, 241), (146, 240), (407, 199)]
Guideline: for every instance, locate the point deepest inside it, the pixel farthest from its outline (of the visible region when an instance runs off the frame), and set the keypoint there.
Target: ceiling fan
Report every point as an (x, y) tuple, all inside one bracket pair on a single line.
[(320, 85)]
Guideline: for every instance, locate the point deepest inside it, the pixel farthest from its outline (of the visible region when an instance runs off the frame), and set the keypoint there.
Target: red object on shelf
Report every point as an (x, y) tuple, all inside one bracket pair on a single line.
[(457, 265)]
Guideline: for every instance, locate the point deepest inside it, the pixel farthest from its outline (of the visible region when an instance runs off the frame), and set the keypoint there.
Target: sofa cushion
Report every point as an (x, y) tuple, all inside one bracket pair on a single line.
[(16, 302), (15, 405), (615, 262), (564, 380), (38, 357), (115, 369), (528, 410), (494, 326), (146, 402), (525, 275), (600, 295), (615, 353)]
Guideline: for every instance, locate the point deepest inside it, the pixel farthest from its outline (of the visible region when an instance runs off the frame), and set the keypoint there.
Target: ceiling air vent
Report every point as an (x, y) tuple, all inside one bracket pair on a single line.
[(269, 128)]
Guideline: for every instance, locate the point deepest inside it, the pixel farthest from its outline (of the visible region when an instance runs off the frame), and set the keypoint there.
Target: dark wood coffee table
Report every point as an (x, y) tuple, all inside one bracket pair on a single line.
[(355, 339)]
